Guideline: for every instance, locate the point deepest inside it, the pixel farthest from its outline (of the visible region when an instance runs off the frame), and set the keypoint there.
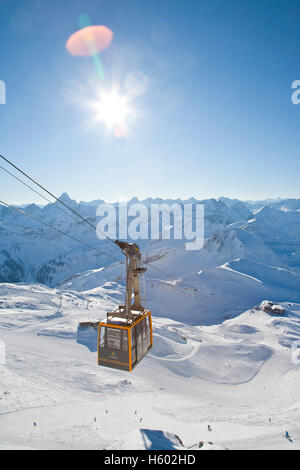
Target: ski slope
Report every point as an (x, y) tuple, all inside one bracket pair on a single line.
[(200, 297), (237, 375)]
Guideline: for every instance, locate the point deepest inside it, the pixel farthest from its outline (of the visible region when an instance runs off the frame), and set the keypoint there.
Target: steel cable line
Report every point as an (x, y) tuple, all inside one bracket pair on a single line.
[(55, 197), (172, 278), (78, 215), (176, 287), (36, 192), (57, 230)]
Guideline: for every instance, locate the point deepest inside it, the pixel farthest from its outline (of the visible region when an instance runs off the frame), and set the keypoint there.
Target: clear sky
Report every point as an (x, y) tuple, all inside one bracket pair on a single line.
[(215, 118)]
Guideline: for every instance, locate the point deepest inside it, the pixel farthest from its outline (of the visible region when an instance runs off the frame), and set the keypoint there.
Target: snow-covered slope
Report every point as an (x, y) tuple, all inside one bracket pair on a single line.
[(31, 252), (247, 256), (241, 377), (204, 297), (216, 359)]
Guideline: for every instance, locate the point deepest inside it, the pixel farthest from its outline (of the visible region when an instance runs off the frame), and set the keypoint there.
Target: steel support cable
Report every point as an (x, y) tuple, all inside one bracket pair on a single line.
[(184, 285), (75, 212), (57, 230), (176, 287), (55, 197), (36, 192)]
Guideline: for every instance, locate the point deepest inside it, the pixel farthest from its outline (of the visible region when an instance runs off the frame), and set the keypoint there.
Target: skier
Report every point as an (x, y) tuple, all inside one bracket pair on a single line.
[(209, 428), (288, 437)]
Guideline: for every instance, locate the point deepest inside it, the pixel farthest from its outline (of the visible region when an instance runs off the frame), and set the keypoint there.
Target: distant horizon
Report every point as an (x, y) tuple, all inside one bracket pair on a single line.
[(36, 199), (81, 201)]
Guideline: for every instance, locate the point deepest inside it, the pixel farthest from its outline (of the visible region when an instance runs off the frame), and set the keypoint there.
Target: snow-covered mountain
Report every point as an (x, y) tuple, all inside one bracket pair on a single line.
[(30, 251), (240, 377), (249, 254), (220, 356)]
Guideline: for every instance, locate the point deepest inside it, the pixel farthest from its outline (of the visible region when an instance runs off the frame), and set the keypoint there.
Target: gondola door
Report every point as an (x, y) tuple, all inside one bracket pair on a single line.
[(113, 346), (133, 347), (139, 341)]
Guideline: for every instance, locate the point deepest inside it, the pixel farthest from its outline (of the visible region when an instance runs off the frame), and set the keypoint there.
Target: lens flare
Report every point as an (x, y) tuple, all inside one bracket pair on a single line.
[(120, 131), (136, 83), (90, 41)]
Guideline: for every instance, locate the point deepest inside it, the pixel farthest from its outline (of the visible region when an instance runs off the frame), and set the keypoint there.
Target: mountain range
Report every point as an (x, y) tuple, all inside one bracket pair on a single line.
[(251, 252)]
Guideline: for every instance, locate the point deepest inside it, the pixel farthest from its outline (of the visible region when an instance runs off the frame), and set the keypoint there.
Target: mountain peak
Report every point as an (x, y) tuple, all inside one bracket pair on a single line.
[(65, 198)]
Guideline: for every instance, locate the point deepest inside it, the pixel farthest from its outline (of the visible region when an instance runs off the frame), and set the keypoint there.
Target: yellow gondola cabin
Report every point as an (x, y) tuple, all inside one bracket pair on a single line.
[(123, 344), (125, 336)]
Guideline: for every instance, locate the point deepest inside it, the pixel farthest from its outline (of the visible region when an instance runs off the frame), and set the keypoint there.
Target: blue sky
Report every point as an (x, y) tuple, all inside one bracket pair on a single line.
[(216, 118)]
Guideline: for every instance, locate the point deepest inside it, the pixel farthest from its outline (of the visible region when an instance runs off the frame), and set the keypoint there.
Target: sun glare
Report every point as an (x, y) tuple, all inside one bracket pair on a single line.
[(112, 109)]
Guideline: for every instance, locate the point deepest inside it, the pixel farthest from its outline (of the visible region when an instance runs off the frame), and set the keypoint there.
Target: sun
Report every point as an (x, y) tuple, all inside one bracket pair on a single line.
[(112, 109)]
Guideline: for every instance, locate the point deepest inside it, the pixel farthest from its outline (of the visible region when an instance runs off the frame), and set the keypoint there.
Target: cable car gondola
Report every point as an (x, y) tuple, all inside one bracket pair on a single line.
[(125, 336)]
